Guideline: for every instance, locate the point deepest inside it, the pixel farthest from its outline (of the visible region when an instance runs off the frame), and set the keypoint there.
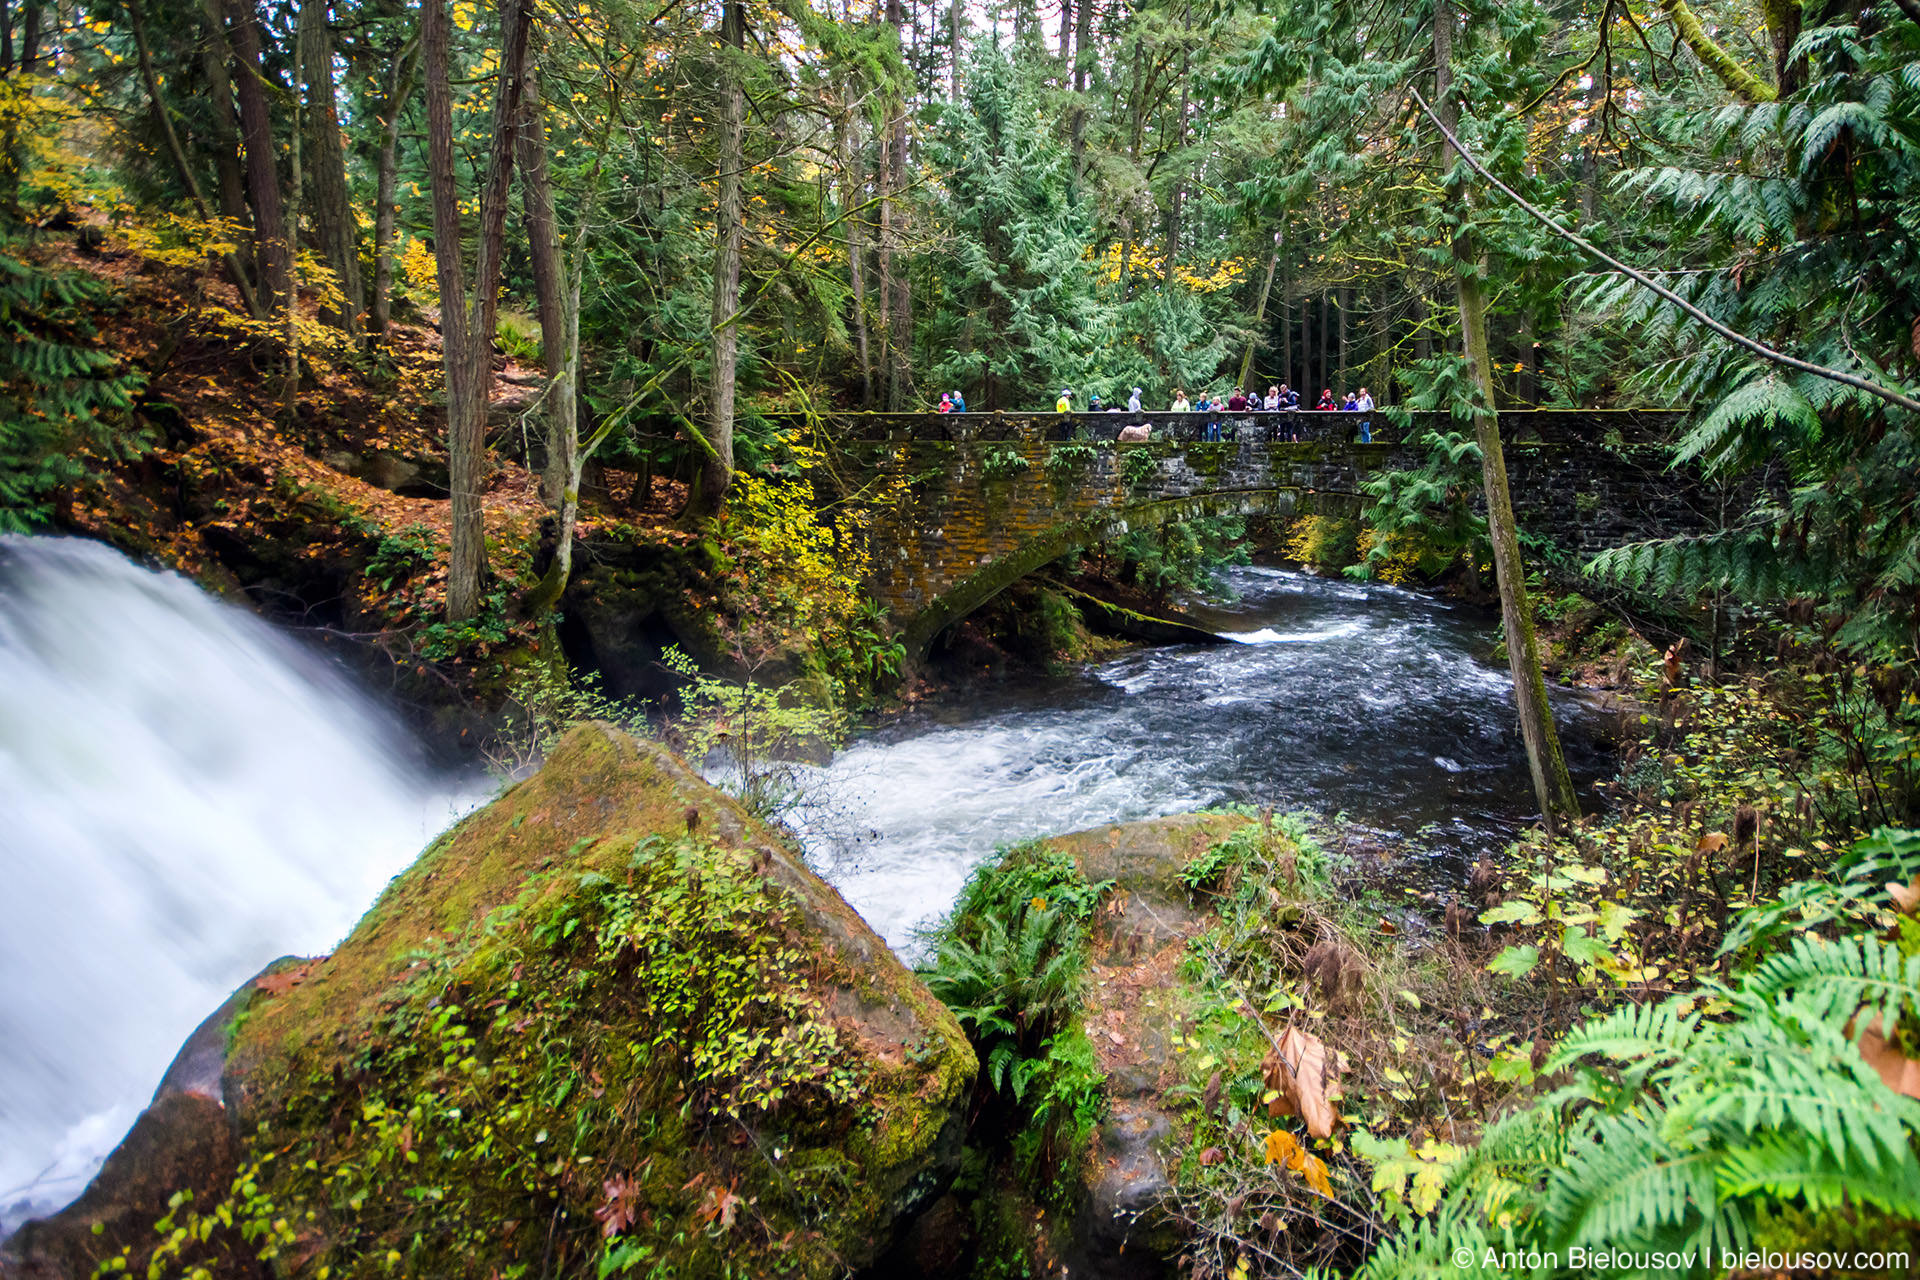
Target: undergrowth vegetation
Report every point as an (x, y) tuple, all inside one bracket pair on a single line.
[(1011, 962)]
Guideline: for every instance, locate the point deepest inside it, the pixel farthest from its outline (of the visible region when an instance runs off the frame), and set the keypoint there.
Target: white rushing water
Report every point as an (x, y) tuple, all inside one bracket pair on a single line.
[(1337, 697), (185, 794)]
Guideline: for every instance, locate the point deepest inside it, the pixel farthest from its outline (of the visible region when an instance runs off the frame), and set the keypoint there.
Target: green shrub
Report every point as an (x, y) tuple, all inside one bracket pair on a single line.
[(64, 402), (519, 335), (1073, 456), (1003, 462), (1699, 1122)]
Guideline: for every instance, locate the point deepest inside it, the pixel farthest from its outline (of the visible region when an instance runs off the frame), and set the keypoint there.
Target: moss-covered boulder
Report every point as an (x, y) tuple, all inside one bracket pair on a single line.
[(609, 1024)]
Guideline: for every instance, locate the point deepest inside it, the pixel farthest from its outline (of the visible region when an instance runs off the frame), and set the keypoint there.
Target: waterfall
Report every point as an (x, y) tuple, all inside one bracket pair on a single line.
[(185, 794)]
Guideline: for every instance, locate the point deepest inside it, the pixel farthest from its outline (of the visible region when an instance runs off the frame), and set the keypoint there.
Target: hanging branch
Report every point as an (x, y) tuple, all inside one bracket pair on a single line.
[(1741, 340)]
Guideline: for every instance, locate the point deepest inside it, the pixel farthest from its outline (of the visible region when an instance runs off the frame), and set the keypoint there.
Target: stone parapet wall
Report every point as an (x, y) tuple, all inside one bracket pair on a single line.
[(1556, 425)]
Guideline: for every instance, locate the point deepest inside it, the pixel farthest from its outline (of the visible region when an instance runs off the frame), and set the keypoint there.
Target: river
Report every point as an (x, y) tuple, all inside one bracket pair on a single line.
[(190, 793), (1336, 697)]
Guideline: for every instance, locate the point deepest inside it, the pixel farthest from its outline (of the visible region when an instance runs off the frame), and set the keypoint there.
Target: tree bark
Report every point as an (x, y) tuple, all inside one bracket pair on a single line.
[(558, 294), (957, 33), (1343, 300), (1260, 312), (716, 470), (30, 37), (1716, 59), (850, 200), (272, 254), (1077, 126), (1326, 340), (466, 328), (335, 227), (400, 84), (1552, 784), (549, 286), (225, 132), (1783, 29), (182, 166), (1308, 396), (900, 301)]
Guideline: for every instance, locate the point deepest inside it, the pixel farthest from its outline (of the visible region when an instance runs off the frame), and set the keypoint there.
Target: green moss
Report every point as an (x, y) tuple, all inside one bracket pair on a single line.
[(608, 1021)]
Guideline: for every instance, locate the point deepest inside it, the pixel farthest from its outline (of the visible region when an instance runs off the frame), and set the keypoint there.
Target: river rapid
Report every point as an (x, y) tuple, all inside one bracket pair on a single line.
[(1334, 697), (189, 793)]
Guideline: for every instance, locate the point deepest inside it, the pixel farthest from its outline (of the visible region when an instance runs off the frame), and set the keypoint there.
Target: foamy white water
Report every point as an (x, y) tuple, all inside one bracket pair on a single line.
[(1339, 697), (185, 794)]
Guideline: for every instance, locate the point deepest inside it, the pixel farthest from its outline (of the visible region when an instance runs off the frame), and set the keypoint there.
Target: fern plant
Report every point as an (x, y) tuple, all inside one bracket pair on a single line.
[(1806, 210), (63, 400), (1687, 1124)]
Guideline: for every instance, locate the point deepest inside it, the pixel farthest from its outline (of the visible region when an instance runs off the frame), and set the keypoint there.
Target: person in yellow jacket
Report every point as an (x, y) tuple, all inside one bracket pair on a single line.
[(1065, 403)]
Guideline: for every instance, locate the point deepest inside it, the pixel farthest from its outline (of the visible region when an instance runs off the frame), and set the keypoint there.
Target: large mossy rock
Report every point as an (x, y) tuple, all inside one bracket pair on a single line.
[(609, 1024)]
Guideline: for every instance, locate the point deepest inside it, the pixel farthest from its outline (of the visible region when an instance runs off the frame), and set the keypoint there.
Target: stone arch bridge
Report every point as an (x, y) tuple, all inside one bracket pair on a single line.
[(965, 505)]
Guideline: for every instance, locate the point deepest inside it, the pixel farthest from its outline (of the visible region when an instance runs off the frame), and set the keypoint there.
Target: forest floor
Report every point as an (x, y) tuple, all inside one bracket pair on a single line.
[(325, 505)]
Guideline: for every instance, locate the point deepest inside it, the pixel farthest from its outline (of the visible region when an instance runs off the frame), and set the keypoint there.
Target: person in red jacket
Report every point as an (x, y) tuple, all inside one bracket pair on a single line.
[(1326, 400)]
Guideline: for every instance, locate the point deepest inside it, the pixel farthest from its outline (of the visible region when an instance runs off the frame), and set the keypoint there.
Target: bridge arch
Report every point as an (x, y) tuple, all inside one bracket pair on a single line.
[(1040, 549)]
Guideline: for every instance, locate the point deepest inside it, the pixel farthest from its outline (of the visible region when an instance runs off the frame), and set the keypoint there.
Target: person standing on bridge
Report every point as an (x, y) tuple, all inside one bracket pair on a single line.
[(1180, 404), (959, 402), (1326, 401), (1065, 403), (946, 403), (1133, 401), (1365, 405), (1237, 402)]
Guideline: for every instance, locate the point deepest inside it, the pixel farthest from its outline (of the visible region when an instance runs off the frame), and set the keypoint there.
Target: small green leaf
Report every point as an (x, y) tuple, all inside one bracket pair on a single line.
[(1515, 961)]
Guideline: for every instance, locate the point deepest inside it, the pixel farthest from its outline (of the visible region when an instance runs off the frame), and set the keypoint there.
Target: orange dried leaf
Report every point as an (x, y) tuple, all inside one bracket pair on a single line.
[(1306, 1080), (1905, 896), (1901, 1073)]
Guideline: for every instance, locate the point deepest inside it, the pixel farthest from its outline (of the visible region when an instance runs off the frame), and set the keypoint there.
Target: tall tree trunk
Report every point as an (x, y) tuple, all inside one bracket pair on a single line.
[(549, 284), (1066, 42), (400, 83), (1175, 200), (178, 153), (900, 299), (467, 320), (225, 133), (1343, 300), (1286, 321), (290, 383), (1783, 29), (1077, 126), (1552, 784), (335, 227), (1308, 396), (957, 36), (1326, 341), (1260, 312), (558, 293), (883, 257), (716, 472), (851, 198), (271, 252), (30, 14)]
